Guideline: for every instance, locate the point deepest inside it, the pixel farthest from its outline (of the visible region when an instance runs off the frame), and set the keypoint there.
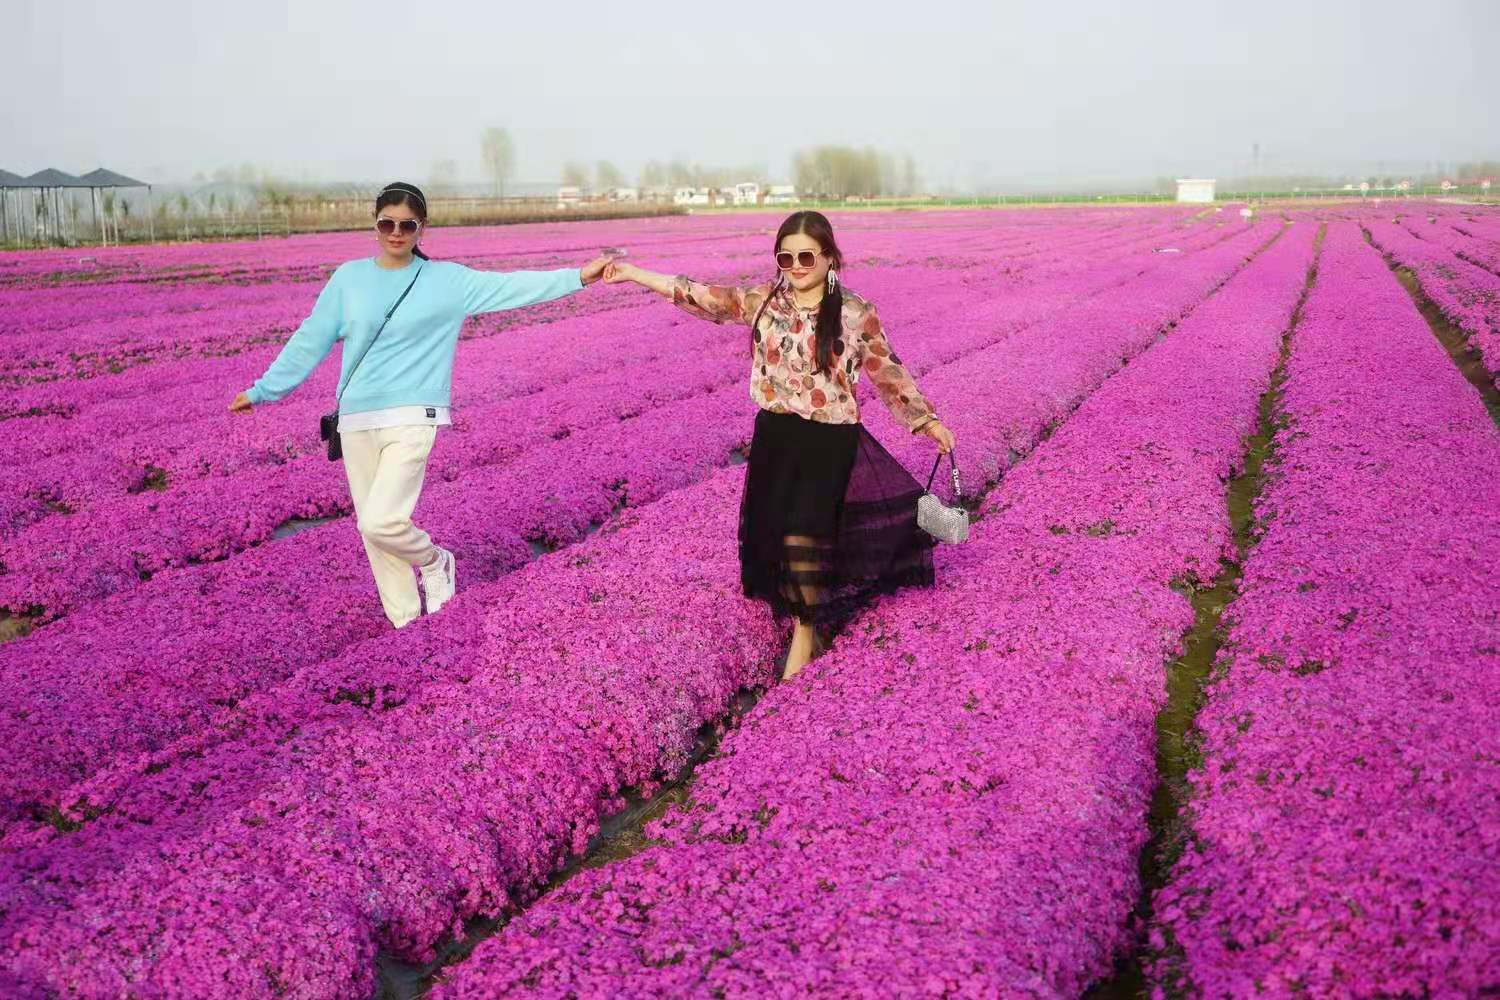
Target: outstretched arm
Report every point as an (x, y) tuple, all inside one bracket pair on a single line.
[(302, 353), (718, 303), (492, 291)]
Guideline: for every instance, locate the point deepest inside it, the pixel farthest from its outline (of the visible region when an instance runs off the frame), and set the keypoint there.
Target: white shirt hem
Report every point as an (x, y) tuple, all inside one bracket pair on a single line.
[(395, 416)]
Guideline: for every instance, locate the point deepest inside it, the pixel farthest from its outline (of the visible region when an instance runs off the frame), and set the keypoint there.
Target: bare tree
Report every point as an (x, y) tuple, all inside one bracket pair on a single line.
[(107, 199), (710, 177), (654, 174), (499, 154), (607, 175), (575, 174), (839, 171), (443, 177), (184, 204)]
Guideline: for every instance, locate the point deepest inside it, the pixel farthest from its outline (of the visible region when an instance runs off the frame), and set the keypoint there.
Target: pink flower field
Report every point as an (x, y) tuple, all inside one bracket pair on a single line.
[(1270, 445)]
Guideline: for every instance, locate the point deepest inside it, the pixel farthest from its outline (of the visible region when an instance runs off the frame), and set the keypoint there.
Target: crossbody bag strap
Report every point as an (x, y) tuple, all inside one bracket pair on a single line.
[(388, 313)]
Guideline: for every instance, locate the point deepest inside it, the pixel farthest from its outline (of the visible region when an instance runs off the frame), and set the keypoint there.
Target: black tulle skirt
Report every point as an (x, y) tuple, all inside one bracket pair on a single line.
[(828, 519)]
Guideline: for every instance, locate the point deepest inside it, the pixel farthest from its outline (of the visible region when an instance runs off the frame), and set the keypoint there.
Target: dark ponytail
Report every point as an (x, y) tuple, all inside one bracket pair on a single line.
[(831, 311), (830, 328), (402, 193)]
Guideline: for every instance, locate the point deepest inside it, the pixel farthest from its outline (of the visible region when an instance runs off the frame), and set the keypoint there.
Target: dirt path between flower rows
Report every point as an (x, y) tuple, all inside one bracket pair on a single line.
[(1177, 750), (1454, 340)]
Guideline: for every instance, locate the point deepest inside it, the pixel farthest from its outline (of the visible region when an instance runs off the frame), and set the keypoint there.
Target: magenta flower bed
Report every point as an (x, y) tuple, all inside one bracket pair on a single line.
[(1468, 295), (1346, 823), (106, 449), (954, 801), (1477, 244), (478, 748), (277, 871), (174, 418), (194, 639), (225, 781), (61, 563)]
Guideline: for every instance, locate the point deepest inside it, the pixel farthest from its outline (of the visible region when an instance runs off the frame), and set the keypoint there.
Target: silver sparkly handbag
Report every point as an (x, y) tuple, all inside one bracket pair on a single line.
[(945, 523)]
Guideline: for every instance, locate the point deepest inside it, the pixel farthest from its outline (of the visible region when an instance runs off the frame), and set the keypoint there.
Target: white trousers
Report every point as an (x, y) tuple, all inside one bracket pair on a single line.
[(385, 468)]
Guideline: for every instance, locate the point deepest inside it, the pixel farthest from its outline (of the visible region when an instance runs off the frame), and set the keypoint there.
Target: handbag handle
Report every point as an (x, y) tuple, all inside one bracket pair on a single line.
[(388, 313), (957, 489)]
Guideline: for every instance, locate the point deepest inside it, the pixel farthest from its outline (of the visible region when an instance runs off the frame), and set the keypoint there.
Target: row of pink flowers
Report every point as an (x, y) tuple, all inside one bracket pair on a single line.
[(225, 309), (1468, 295), (1346, 824), (211, 260)]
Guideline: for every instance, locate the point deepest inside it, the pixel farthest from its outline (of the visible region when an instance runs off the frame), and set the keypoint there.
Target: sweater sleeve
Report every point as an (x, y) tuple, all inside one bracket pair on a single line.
[(492, 291), (305, 349)]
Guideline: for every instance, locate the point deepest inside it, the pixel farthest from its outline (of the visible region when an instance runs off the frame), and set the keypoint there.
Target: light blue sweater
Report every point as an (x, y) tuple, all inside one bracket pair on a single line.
[(412, 361)]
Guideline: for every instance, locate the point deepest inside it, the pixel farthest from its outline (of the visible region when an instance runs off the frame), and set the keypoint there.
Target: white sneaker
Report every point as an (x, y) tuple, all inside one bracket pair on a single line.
[(439, 581)]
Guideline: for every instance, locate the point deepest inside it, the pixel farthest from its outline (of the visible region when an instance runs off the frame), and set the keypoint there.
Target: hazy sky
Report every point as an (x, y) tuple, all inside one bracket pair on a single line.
[(979, 93)]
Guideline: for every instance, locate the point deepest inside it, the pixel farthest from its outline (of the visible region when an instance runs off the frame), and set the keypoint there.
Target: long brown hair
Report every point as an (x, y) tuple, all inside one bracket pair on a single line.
[(831, 310)]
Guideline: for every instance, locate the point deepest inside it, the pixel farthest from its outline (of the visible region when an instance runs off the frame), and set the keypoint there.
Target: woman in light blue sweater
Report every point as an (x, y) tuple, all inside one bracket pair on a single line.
[(394, 389)]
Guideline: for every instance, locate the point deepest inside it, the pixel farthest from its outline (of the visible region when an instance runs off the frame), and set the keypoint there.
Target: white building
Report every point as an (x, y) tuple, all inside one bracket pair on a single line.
[(781, 194), (747, 193), (1196, 189), (569, 197), (624, 194), (690, 196)]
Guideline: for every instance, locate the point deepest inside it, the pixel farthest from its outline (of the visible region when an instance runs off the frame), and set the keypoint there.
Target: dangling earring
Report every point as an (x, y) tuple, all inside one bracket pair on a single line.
[(833, 280)]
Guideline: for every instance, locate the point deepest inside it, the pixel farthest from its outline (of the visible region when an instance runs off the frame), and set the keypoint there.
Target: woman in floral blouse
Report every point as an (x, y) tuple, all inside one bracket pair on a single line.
[(828, 516)]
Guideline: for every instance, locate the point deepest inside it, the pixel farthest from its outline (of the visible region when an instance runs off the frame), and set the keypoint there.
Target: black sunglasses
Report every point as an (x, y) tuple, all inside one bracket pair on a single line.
[(387, 225), (802, 258)]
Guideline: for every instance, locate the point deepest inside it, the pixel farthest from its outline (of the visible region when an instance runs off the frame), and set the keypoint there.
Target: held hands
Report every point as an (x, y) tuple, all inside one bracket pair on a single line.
[(617, 271), (593, 270), (942, 435), (241, 404)]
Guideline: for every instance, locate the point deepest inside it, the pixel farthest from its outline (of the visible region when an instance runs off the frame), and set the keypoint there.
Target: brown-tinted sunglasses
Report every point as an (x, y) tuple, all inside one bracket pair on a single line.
[(786, 260), (388, 225)]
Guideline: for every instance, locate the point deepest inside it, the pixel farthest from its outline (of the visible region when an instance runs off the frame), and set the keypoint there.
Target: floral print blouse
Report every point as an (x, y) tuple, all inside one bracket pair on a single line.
[(784, 376)]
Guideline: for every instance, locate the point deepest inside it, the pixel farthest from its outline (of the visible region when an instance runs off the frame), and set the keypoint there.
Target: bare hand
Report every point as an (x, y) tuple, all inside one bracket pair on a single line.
[(618, 271), (241, 404), (942, 435), (591, 272)]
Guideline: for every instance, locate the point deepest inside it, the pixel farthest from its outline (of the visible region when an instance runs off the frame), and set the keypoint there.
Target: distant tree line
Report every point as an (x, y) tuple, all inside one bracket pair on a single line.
[(825, 171), (842, 171), (828, 171)]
